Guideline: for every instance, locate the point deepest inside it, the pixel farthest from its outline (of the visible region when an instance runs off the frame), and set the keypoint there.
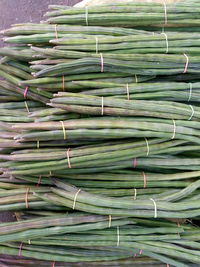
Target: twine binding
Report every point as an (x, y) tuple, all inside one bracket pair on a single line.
[(110, 221), (20, 250), (38, 144), (135, 163), (192, 113), (102, 62), (26, 92), (167, 42), (26, 197), (186, 64), (135, 194), (148, 149), (39, 181), (86, 16), (136, 78), (165, 10), (64, 131), (97, 45), (75, 198), (68, 159), (155, 208), (128, 93), (145, 179), (102, 106), (118, 237), (190, 95), (56, 31), (63, 83), (26, 106), (174, 131)]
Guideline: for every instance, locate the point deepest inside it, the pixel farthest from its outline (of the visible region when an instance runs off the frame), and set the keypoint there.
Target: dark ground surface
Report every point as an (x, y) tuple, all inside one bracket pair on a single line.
[(18, 11)]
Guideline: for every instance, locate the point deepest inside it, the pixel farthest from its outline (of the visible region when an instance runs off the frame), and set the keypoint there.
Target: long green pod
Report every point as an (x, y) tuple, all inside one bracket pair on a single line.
[(35, 233), (52, 198), (28, 29), (89, 198), (15, 71), (81, 151), (130, 20), (162, 87), (43, 81), (88, 160), (130, 38), (56, 257), (120, 8), (49, 221), (89, 100), (125, 123), (24, 55)]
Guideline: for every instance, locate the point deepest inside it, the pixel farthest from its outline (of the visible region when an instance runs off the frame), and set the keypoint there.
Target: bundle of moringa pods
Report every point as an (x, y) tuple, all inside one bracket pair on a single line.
[(100, 137)]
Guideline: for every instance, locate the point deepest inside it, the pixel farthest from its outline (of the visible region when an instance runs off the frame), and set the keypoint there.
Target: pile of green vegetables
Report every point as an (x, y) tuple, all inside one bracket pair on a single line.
[(100, 137)]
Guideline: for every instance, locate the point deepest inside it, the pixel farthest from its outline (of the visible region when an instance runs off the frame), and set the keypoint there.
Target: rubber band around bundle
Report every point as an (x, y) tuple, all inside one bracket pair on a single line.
[(26, 92), (38, 144), (118, 238), (148, 148), (26, 106), (110, 221), (56, 31), (54, 264), (64, 131), (86, 16), (29, 242), (20, 249), (135, 255), (165, 10), (174, 131), (167, 42), (39, 181), (145, 179), (141, 251), (50, 173), (155, 207), (26, 198), (63, 83), (68, 159), (135, 194), (97, 45), (102, 106), (128, 94), (75, 198), (102, 62), (168, 265), (135, 163), (192, 113), (186, 64), (190, 95)]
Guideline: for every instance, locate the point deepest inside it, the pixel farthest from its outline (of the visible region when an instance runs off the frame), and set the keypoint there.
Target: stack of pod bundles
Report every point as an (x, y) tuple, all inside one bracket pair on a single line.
[(100, 137)]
